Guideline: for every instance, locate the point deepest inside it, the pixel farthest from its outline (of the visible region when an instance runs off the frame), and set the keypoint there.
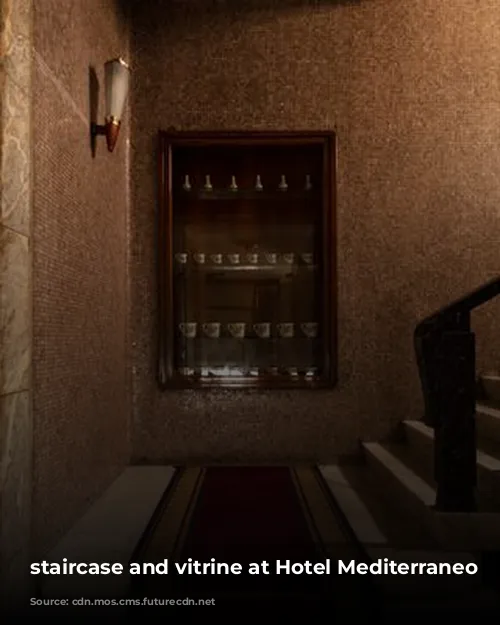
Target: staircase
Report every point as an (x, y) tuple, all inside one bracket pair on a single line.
[(388, 499), (404, 468), (488, 414)]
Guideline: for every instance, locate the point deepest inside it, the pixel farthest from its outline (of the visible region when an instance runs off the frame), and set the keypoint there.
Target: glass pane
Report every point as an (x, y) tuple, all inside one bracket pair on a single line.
[(247, 262)]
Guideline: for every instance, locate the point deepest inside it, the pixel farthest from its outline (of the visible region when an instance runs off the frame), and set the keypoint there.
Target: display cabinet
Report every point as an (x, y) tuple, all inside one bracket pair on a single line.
[(247, 271)]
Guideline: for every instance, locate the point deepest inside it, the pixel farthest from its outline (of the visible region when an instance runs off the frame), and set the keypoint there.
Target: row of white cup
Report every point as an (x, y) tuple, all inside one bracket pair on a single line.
[(252, 258), (238, 330), (294, 372)]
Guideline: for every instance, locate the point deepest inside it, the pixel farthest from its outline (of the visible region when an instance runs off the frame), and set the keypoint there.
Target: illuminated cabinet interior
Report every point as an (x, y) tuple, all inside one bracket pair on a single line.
[(247, 280)]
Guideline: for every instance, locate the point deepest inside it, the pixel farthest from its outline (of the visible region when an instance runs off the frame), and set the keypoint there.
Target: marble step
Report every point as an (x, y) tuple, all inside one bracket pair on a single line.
[(420, 440), (452, 530), (352, 487)]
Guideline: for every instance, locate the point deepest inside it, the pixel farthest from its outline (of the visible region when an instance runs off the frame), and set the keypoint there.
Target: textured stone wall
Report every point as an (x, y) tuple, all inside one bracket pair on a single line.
[(412, 88), (15, 296), (80, 266)]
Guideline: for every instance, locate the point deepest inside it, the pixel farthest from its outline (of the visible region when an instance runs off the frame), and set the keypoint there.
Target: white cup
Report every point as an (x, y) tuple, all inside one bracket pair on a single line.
[(307, 258), (310, 329), (262, 330), (293, 372), (289, 258), (253, 258), (234, 259), (181, 257), (199, 258), (188, 329), (271, 257), (211, 329), (237, 330), (216, 259), (286, 330)]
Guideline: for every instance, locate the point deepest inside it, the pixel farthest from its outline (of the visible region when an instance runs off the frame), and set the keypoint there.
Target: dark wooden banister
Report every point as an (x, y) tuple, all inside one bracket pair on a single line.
[(463, 305), (445, 350)]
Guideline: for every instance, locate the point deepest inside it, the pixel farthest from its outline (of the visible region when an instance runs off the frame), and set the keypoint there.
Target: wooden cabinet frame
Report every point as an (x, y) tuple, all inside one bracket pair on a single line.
[(168, 142)]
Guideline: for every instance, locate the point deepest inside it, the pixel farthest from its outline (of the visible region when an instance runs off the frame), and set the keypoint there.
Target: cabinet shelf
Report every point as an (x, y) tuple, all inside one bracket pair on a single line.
[(260, 341), (247, 258), (242, 271), (248, 382), (248, 194)]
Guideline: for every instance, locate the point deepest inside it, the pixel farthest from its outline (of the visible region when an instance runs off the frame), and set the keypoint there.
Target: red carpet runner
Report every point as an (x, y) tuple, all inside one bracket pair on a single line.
[(248, 515)]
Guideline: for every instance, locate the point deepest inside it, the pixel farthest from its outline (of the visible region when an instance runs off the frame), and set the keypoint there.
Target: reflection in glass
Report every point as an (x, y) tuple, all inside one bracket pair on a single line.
[(247, 282)]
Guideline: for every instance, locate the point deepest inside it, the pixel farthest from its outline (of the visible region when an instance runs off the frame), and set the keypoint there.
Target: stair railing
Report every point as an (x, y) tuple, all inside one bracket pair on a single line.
[(446, 359)]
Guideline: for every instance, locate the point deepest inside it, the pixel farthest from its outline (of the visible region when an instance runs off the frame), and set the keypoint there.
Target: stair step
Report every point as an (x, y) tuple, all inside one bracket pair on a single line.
[(491, 386), (418, 452), (453, 530), (426, 436), (351, 486), (488, 423), (356, 512), (415, 489), (421, 440), (378, 524)]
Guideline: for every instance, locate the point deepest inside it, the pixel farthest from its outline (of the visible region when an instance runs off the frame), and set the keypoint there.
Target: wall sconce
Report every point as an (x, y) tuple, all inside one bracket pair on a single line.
[(116, 77)]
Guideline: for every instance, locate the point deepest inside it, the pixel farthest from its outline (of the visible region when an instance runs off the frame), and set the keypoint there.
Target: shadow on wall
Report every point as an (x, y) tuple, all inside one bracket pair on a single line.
[(201, 9), (243, 5), (93, 106)]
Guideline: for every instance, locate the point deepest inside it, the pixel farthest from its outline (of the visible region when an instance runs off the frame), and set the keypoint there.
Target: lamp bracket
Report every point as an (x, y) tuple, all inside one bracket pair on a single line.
[(97, 129)]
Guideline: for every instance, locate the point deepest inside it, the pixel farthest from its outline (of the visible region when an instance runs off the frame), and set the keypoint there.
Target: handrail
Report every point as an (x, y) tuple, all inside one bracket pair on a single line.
[(463, 305), (445, 350)]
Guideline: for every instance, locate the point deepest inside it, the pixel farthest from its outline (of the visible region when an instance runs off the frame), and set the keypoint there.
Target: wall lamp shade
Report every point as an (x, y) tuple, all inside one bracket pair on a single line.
[(117, 79)]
